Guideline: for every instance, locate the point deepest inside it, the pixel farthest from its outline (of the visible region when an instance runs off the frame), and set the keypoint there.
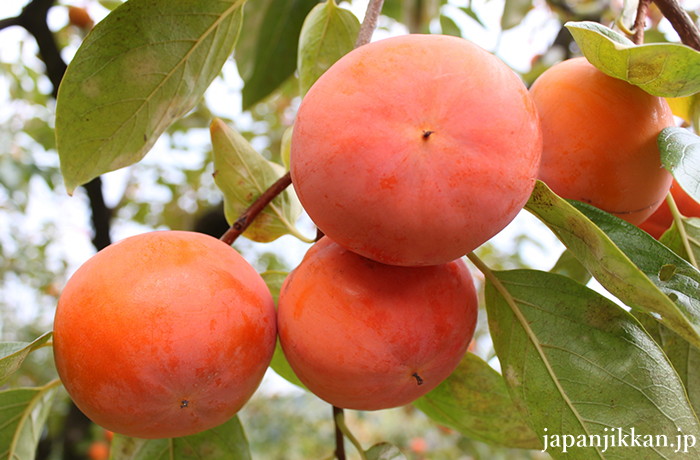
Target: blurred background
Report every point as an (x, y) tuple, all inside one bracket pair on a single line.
[(45, 235)]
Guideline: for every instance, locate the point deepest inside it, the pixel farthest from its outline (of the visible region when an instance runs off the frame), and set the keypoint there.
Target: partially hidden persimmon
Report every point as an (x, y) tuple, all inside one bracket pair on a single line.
[(414, 150), (367, 336), (599, 140), (164, 334), (662, 218)]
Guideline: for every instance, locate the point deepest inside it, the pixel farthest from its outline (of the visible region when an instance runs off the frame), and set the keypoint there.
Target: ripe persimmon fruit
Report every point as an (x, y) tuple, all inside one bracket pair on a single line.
[(414, 150), (164, 334), (662, 218), (367, 336), (599, 140)]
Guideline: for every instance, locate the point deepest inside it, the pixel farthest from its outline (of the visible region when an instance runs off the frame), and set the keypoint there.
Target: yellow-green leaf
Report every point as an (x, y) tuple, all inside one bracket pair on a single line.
[(140, 69), (661, 69), (242, 174), (329, 32)]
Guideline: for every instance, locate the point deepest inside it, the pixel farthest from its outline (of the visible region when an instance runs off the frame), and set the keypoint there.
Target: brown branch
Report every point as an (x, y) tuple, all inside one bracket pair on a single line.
[(339, 437), (681, 22), (369, 24), (245, 219), (640, 22)]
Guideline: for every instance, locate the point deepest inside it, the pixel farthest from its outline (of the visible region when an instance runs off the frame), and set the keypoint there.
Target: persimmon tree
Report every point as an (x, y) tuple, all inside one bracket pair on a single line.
[(574, 366)]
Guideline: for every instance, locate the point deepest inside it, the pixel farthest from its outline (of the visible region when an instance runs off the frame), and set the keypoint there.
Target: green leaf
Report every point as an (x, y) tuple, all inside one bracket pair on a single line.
[(514, 12), (242, 174), (23, 414), (384, 451), (636, 285), (580, 366), (279, 364), (449, 26), (286, 147), (12, 354), (246, 46), (227, 441), (569, 265), (141, 68), (474, 400), (329, 33), (680, 154), (686, 360), (672, 237), (472, 14), (274, 48), (661, 69)]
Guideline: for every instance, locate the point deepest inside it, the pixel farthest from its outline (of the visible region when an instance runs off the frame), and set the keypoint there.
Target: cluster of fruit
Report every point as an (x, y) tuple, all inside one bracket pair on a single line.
[(408, 153)]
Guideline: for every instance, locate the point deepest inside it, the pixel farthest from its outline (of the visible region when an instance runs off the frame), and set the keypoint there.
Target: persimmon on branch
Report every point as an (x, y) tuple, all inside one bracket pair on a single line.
[(369, 24)]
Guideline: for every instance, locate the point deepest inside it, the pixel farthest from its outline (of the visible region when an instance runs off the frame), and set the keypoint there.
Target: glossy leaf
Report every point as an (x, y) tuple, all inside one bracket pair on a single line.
[(274, 48), (384, 451), (224, 441), (680, 154), (580, 366), (242, 174), (474, 400), (12, 354), (661, 69), (279, 364), (636, 285), (140, 69), (23, 414), (329, 32)]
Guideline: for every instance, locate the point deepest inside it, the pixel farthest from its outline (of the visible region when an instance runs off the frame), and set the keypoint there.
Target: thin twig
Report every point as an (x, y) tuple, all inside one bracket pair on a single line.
[(640, 22), (245, 219), (369, 24), (339, 437), (339, 417), (681, 22)]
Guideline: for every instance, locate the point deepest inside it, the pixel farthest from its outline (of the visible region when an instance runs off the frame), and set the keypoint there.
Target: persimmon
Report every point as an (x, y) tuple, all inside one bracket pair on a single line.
[(599, 140), (365, 335), (164, 334), (79, 17), (414, 150), (98, 450), (662, 218)]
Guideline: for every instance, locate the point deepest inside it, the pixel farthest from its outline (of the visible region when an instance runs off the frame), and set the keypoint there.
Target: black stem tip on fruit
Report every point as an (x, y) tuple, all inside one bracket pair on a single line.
[(418, 379), (426, 134), (184, 403)]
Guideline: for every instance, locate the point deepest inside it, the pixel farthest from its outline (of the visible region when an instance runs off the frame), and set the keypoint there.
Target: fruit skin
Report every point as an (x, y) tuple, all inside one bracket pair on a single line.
[(599, 140), (414, 150), (164, 334), (662, 218), (355, 331)]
